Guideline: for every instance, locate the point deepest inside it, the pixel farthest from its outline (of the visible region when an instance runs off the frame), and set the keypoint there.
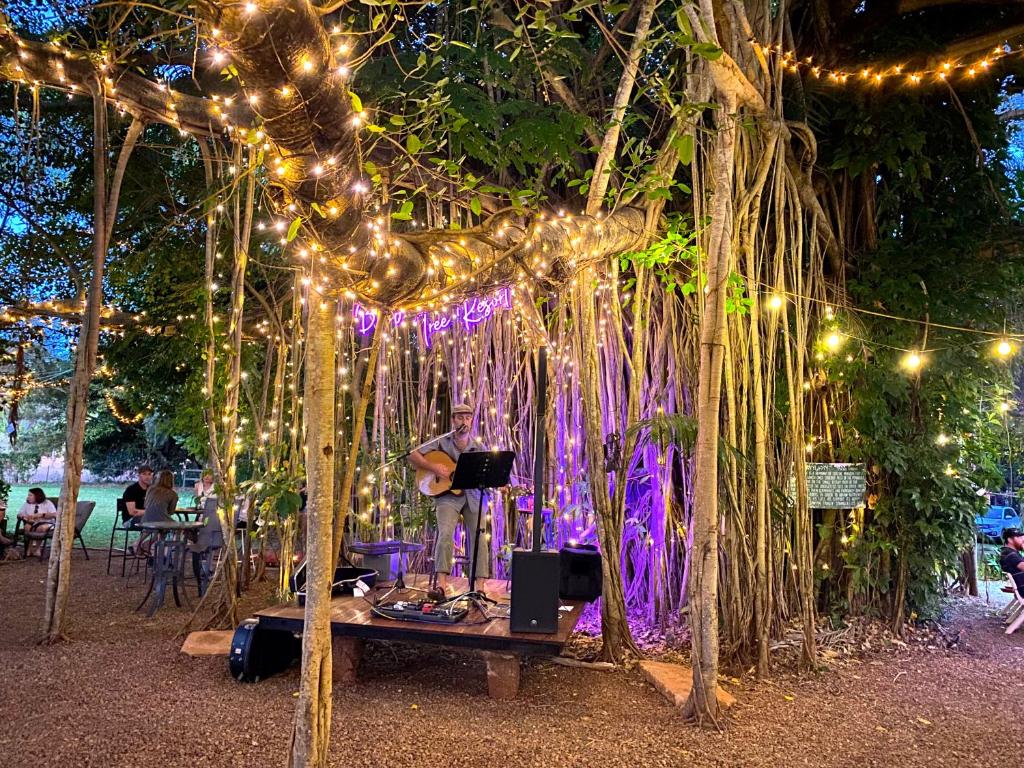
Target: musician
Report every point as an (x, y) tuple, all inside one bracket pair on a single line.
[(448, 506)]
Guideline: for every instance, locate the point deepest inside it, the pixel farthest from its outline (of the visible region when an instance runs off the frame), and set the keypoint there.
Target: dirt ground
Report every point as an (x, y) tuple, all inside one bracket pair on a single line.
[(121, 694)]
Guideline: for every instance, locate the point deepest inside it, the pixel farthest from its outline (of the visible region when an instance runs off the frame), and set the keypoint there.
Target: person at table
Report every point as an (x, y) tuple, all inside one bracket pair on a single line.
[(161, 500), (205, 489), (37, 515), (448, 506), (134, 495)]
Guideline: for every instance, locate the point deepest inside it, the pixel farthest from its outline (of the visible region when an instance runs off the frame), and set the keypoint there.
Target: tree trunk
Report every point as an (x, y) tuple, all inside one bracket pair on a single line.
[(969, 563), (58, 575), (702, 705), (312, 725), (616, 636)]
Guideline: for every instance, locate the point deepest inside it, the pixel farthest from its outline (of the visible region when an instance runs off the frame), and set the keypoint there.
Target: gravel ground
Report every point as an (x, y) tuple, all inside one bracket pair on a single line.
[(120, 694)]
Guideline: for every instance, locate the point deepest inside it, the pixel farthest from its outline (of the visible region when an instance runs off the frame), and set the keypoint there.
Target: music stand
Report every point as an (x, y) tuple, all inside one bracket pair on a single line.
[(481, 470)]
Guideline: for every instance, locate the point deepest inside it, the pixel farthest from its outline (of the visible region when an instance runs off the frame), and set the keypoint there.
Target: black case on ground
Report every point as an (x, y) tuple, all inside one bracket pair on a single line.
[(534, 592), (258, 653)]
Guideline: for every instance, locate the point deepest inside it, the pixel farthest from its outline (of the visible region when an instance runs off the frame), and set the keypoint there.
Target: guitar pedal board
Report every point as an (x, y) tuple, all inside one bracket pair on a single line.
[(422, 611)]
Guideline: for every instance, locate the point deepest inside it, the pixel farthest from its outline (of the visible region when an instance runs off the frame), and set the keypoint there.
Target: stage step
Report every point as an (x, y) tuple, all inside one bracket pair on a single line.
[(674, 681), (215, 643)]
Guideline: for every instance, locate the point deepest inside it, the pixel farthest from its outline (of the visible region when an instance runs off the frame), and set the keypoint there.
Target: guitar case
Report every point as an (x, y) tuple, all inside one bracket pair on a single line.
[(345, 578), (258, 652)]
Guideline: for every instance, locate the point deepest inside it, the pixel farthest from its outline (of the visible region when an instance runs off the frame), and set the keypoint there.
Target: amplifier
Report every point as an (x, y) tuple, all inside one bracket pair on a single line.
[(534, 592), (579, 573)]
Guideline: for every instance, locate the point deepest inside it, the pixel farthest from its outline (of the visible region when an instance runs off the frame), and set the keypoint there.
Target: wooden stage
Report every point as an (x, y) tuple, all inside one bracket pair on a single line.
[(352, 623)]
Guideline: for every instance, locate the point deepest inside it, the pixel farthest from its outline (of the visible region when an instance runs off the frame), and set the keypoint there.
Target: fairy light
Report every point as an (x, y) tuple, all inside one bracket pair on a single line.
[(912, 361), (1004, 348), (776, 302), (877, 74), (119, 415)]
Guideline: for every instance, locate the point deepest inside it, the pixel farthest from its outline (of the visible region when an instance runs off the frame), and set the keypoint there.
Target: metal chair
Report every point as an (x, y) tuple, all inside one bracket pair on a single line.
[(125, 525), (1015, 619), (209, 544), (83, 510)]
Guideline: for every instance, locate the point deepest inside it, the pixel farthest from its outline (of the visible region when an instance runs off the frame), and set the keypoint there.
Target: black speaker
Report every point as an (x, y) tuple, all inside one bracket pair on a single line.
[(534, 592), (579, 573), (257, 652)]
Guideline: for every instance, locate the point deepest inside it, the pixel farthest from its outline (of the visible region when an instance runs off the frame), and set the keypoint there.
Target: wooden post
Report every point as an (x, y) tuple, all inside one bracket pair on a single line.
[(348, 651), (502, 674)]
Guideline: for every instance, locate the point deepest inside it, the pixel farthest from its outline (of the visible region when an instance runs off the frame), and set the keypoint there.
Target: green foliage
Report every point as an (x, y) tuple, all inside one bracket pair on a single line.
[(925, 484), (276, 492), (675, 260)]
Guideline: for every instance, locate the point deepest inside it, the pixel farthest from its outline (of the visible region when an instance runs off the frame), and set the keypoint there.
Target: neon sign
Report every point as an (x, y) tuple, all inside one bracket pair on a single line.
[(469, 314)]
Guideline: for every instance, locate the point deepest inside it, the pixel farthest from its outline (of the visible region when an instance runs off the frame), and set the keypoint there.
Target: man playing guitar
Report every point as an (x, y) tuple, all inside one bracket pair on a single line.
[(449, 505)]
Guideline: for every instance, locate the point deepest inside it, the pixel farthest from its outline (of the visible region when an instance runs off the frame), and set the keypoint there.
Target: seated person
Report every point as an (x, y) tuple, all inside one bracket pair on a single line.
[(134, 498), (1010, 558), (134, 495), (37, 515), (161, 500), (205, 489)]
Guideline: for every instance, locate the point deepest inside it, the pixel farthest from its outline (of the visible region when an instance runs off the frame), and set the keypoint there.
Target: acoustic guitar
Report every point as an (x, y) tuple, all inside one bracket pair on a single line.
[(430, 484)]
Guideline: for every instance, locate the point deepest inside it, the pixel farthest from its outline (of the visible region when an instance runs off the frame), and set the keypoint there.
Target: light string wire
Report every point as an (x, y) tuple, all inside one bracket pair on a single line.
[(769, 291), (877, 74)]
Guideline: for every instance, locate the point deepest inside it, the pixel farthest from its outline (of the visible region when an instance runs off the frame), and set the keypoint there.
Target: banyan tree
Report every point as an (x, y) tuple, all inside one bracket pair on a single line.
[(450, 187)]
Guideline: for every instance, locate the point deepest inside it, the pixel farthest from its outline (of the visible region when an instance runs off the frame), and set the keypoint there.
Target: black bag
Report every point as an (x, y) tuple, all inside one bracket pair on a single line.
[(345, 578)]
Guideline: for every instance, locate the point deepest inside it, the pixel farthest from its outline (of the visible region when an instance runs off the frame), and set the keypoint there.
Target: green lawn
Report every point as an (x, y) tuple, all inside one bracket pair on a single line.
[(97, 530)]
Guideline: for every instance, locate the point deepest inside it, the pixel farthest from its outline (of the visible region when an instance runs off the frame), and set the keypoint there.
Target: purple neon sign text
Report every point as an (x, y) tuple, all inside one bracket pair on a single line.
[(469, 314)]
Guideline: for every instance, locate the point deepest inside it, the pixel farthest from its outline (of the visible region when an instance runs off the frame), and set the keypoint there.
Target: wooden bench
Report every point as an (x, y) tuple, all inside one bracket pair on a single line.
[(352, 623)]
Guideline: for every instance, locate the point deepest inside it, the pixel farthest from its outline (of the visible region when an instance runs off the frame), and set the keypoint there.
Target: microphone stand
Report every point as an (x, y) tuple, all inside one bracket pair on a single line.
[(392, 460), (399, 584)]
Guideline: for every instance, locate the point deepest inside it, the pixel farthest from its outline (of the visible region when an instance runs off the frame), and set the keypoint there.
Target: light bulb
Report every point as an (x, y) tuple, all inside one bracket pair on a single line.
[(912, 361)]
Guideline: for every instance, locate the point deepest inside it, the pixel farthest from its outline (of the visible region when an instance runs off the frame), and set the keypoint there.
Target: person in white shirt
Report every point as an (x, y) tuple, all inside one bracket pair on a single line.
[(37, 515), (205, 489)]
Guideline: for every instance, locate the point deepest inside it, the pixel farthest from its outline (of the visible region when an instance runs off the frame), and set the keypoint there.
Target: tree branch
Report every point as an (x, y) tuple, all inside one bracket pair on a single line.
[(33, 63), (910, 6), (976, 45)]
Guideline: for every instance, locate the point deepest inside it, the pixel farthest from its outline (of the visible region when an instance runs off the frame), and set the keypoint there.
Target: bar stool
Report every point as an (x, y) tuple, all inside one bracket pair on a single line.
[(121, 525)]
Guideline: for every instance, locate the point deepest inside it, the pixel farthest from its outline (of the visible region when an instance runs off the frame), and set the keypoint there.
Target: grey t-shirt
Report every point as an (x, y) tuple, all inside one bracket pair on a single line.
[(160, 505)]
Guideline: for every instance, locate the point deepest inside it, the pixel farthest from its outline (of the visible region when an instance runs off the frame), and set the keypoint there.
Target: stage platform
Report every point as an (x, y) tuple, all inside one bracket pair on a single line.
[(352, 622)]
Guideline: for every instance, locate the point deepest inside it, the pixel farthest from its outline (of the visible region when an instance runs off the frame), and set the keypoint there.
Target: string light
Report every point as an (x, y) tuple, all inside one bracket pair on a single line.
[(1005, 348), (119, 415), (877, 75), (912, 361)]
